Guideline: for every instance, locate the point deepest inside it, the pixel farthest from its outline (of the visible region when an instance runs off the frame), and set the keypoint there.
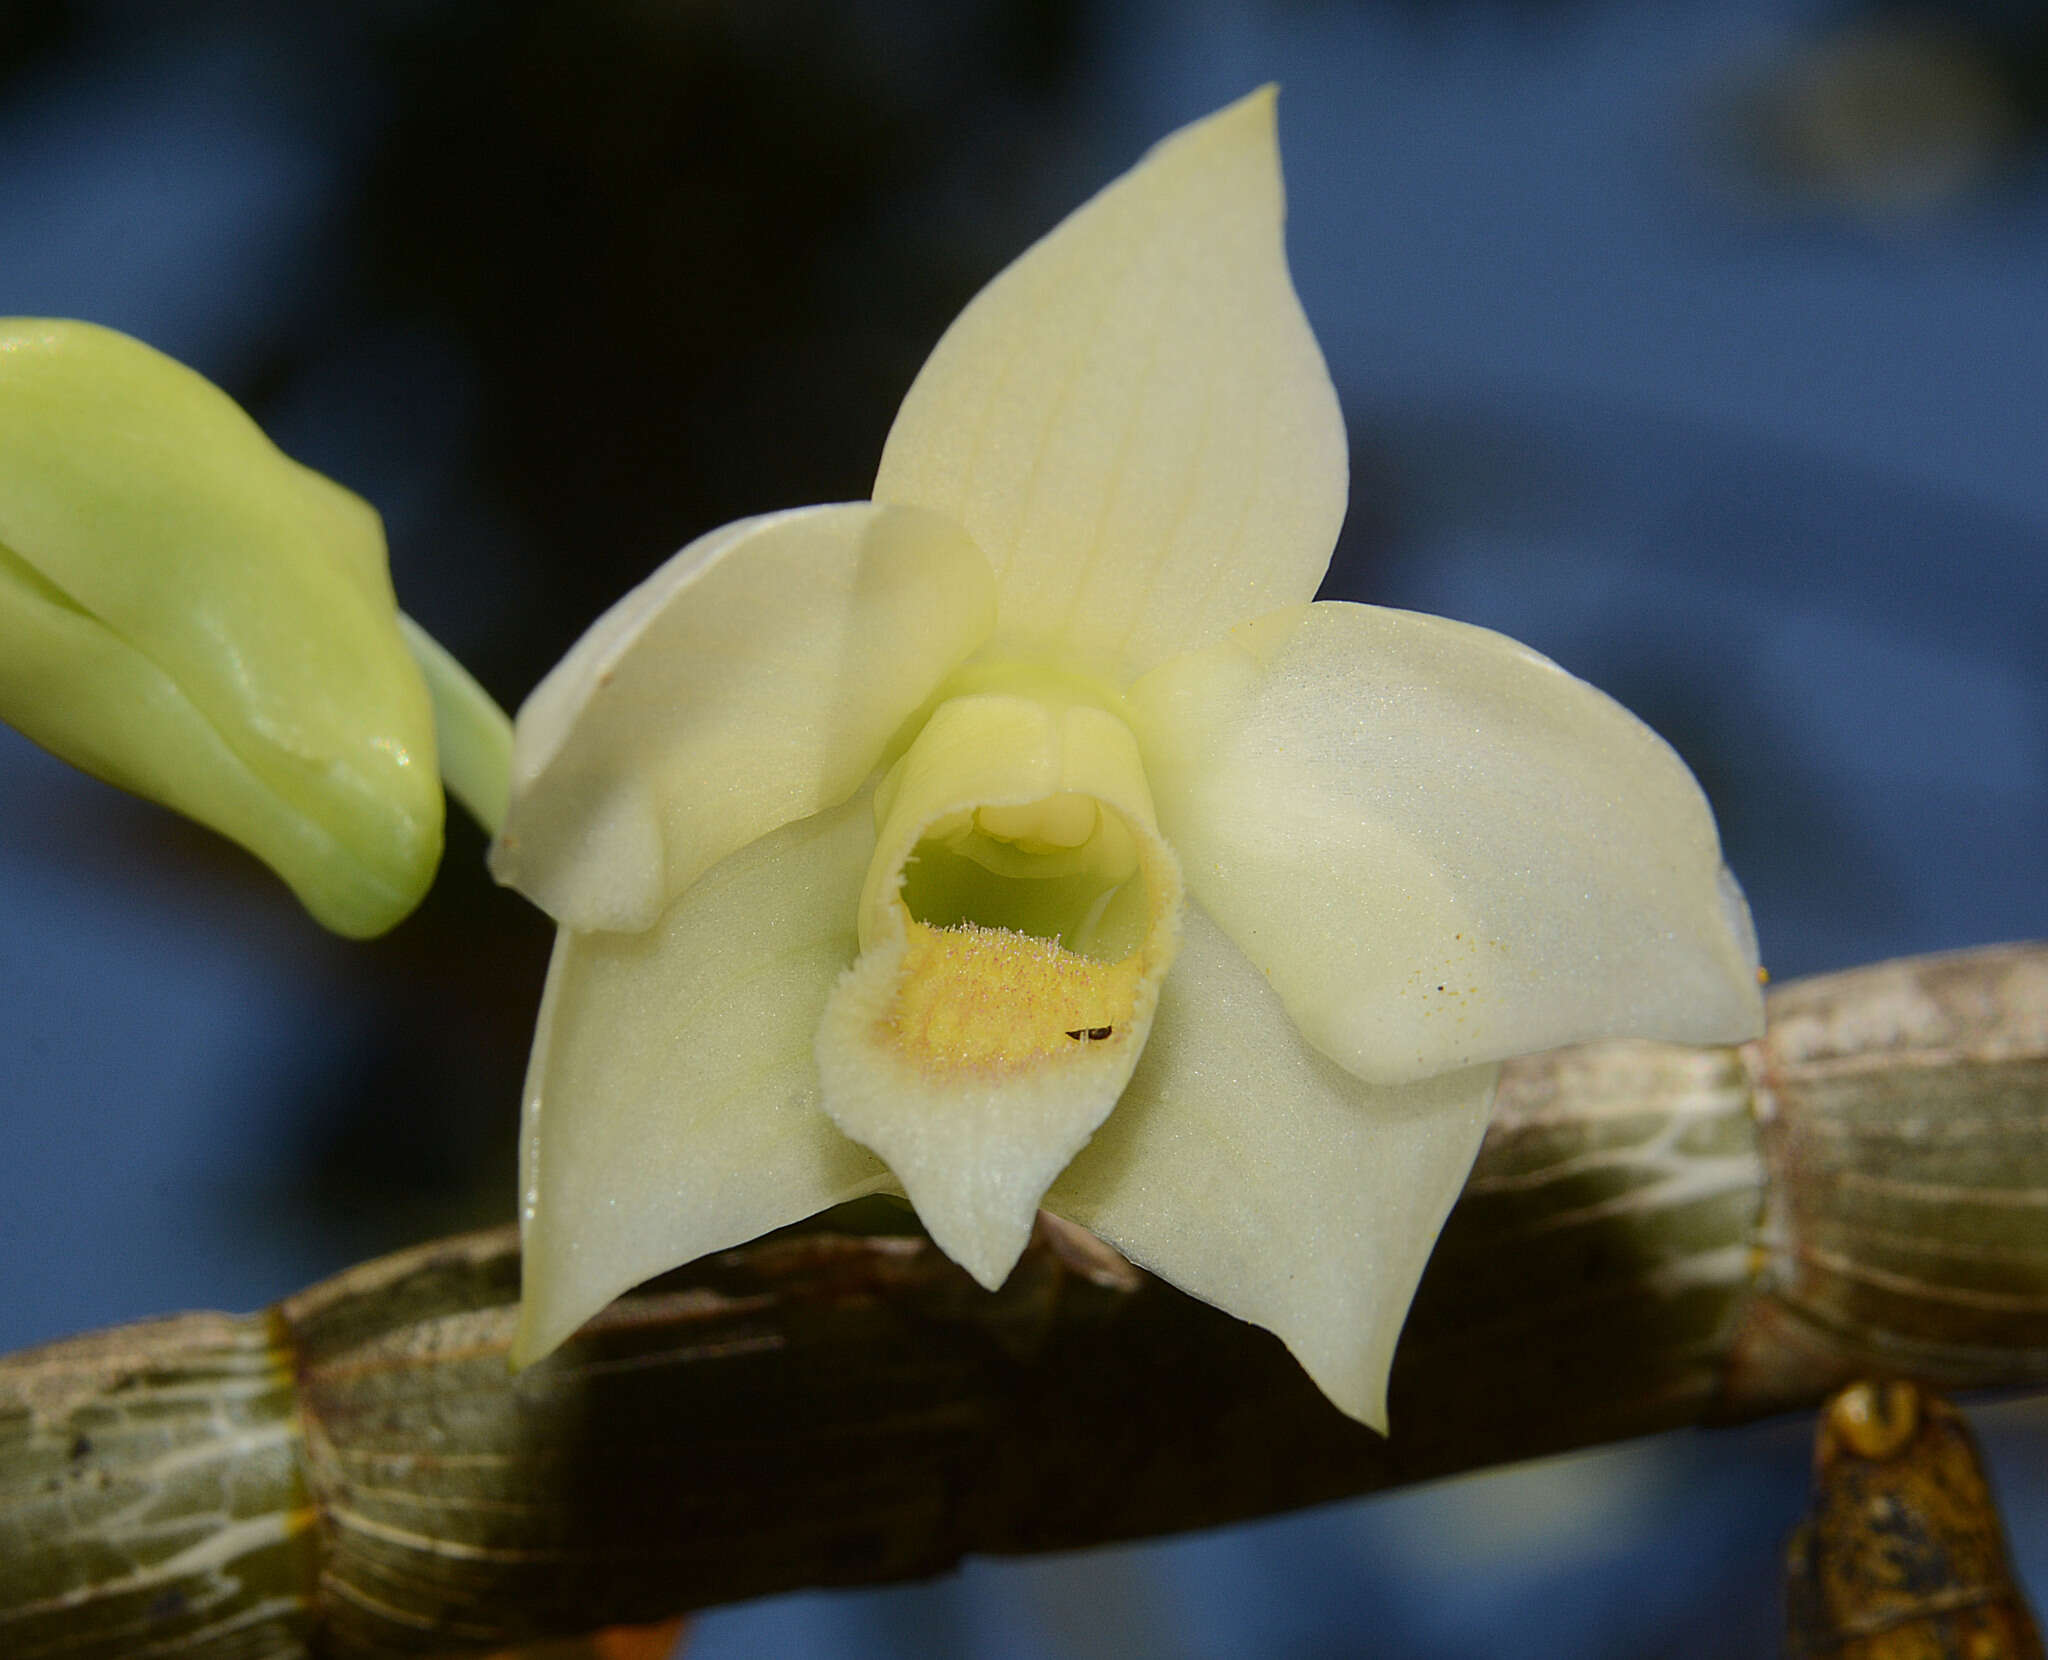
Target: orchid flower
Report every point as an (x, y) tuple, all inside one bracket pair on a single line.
[(1025, 837)]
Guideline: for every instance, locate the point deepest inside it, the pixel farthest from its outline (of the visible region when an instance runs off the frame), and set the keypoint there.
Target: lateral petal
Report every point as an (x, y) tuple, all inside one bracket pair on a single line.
[(672, 1102), (1255, 1174), (750, 681), (1133, 420), (1441, 847)]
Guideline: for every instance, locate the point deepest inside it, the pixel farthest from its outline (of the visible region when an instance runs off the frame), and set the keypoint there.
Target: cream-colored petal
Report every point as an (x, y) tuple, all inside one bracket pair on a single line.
[(976, 1050), (1253, 1173), (1440, 847), (752, 680), (672, 1101), (1133, 420)]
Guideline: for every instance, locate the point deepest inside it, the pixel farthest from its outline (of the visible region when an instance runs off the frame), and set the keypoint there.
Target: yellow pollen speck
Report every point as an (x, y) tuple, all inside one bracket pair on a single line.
[(971, 996)]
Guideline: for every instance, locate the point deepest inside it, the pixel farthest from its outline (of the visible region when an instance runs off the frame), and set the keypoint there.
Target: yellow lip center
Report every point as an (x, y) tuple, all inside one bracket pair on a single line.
[(1017, 854), (991, 997)]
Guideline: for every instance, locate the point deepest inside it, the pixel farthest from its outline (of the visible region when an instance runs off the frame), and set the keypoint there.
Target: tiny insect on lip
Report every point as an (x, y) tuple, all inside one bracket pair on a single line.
[(1092, 1034)]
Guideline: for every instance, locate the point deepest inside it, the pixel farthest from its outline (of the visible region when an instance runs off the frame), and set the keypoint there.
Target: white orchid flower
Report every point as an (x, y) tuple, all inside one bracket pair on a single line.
[(1024, 837)]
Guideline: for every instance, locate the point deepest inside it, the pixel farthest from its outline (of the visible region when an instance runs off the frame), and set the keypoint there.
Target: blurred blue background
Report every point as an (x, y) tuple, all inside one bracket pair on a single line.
[(1705, 347)]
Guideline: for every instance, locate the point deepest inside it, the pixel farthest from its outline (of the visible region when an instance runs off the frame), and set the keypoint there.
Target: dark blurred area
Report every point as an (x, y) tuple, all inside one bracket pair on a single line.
[(1702, 347), (686, 250)]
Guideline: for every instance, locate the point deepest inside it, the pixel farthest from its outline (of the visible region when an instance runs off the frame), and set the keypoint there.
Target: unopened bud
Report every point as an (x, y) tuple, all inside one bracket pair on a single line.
[(188, 613)]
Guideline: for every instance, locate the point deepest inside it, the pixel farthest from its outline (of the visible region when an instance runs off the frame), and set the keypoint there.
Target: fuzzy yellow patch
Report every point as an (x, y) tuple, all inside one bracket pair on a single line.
[(993, 998)]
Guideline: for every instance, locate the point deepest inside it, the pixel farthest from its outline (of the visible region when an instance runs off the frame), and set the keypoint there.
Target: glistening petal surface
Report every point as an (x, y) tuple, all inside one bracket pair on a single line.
[(1441, 847), (672, 1101), (1133, 421), (1253, 1173), (749, 682)]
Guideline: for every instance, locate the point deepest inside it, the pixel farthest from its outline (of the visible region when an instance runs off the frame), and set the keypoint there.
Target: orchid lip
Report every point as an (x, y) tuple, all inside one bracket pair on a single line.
[(1018, 863), (1017, 920)]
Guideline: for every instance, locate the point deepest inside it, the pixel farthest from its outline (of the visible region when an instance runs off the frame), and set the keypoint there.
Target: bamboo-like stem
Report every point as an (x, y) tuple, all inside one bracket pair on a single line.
[(1652, 1236)]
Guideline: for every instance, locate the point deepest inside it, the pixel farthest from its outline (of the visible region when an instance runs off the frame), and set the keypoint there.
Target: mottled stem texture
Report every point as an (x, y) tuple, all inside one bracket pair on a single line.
[(1653, 1236)]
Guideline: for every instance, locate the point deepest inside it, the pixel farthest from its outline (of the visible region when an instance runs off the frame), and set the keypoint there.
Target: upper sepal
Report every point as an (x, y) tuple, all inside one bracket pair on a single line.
[(1133, 420)]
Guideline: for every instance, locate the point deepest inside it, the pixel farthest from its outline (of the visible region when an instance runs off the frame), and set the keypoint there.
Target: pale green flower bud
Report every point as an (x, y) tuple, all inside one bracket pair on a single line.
[(188, 613)]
